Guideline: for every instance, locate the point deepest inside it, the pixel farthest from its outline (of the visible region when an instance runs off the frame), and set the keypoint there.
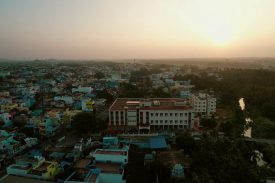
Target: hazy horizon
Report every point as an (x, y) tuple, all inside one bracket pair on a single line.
[(125, 29)]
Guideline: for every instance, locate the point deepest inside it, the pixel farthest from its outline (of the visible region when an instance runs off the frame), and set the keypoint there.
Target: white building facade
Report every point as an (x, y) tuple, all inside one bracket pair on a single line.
[(151, 114), (204, 104)]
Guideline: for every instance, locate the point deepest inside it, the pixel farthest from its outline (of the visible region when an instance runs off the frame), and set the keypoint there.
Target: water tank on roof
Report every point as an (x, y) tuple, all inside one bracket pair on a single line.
[(156, 103)]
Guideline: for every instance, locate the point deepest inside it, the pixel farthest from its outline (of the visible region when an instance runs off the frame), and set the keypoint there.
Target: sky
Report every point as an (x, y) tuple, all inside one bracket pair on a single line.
[(140, 29)]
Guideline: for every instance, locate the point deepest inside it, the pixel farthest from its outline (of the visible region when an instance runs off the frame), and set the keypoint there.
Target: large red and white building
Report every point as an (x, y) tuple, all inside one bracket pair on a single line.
[(152, 114)]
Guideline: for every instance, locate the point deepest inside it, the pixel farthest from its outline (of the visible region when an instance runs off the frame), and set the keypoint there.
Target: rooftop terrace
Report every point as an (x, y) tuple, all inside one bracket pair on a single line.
[(151, 104)]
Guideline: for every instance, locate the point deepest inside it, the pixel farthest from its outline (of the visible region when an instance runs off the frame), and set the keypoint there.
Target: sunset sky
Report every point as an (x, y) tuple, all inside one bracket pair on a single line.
[(126, 29)]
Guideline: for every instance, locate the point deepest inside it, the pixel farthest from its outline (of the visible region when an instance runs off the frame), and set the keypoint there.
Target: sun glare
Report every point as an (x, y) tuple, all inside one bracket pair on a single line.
[(220, 36)]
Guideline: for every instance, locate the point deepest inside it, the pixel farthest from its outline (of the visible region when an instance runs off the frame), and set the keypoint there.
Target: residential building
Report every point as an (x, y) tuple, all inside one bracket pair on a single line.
[(111, 164), (106, 166), (34, 167), (67, 99), (49, 126), (81, 89), (6, 119), (204, 104), (87, 105)]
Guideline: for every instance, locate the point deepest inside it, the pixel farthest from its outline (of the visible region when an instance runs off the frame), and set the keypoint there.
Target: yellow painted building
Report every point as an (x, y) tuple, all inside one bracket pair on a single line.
[(48, 170), (8, 107)]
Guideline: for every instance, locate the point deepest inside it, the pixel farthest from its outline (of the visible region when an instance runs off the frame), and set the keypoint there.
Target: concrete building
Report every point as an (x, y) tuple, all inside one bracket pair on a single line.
[(6, 119), (67, 99), (204, 104), (34, 168), (87, 105), (151, 114), (111, 164), (107, 166), (49, 126), (81, 89)]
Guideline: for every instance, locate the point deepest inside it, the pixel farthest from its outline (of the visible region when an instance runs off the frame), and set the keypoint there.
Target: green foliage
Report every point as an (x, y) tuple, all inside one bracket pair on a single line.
[(20, 120), (99, 75), (208, 123), (85, 122), (159, 93), (263, 128), (268, 152), (106, 95), (143, 72), (234, 127), (186, 142), (135, 168), (49, 76), (127, 90), (221, 161)]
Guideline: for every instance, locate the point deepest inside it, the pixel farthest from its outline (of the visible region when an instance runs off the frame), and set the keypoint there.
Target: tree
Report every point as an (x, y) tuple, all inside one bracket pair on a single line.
[(186, 142), (99, 75), (20, 120), (106, 95), (222, 160), (135, 168), (85, 122), (127, 90), (159, 93), (235, 127), (208, 123), (263, 128)]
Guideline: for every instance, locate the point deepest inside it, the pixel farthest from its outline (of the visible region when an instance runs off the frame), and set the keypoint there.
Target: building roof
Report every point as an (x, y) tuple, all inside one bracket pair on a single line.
[(109, 167), (155, 104), (157, 143), (13, 178), (111, 152), (83, 163)]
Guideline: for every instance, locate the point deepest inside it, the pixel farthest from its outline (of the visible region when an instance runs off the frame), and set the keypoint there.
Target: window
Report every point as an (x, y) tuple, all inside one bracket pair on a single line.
[(171, 114), (166, 114), (176, 114), (181, 114), (157, 114), (160, 121), (161, 114)]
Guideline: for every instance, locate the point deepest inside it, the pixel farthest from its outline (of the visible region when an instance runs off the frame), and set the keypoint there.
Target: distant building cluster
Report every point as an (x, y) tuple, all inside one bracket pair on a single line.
[(38, 102)]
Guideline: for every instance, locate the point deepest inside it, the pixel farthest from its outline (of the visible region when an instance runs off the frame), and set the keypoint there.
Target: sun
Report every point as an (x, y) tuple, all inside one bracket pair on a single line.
[(220, 36)]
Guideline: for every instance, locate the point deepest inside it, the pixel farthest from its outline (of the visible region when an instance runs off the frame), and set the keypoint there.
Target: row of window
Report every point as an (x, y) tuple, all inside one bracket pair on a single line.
[(168, 114), (168, 122), (168, 126)]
